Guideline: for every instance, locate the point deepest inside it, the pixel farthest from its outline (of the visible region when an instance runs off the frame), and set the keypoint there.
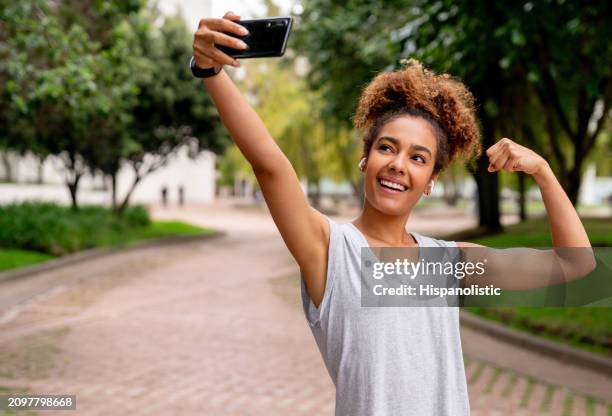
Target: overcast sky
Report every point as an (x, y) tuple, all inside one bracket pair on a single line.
[(194, 10)]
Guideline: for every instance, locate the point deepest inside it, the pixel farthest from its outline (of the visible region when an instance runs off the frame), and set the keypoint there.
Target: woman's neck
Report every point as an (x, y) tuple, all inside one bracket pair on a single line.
[(388, 229)]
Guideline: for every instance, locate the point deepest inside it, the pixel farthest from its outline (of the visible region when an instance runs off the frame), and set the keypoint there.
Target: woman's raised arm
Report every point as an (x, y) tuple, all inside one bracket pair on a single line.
[(305, 231)]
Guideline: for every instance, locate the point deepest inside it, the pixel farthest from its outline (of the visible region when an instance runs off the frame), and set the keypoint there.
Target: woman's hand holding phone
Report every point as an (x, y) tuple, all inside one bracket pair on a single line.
[(210, 33)]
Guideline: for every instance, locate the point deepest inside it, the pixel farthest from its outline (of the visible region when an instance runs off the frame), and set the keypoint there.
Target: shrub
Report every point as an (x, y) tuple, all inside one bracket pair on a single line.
[(56, 229), (137, 216)]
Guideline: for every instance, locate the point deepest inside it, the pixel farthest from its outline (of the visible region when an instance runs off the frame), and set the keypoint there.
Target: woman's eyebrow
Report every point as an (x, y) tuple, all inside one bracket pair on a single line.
[(412, 146)]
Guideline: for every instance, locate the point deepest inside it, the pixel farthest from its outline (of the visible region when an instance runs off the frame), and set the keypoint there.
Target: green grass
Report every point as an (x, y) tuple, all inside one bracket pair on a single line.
[(535, 233), (159, 229), (13, 258), (10, 258), (585, 327)]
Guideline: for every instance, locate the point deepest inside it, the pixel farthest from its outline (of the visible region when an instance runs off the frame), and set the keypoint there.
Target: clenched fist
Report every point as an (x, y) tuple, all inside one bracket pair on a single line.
[(512, 157)]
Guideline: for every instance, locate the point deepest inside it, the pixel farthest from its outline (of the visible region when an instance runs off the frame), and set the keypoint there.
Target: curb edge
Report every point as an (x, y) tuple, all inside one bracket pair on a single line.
[(564, 353), (89, 254)]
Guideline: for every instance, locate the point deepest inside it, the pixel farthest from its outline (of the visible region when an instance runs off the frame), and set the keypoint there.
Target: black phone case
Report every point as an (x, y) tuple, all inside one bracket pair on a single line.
[(267, 37)]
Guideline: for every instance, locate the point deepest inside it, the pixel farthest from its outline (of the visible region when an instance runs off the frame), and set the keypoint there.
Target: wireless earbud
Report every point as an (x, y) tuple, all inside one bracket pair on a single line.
[(431, 188), (362, 163)]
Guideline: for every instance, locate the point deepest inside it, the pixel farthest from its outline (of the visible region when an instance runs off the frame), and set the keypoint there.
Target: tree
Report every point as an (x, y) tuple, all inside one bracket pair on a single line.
[(61, 84), (99, 84), (517, 46), (172, 108), (556, 51), (348, 45)]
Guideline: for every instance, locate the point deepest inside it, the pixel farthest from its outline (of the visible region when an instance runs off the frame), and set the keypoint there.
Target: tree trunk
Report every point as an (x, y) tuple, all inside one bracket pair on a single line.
[(451, 194), (126, 200), (521, 202), (73, 187), (113, 178), (315, 197), (488, 184), (41, 173), (573, 184), (8, 171), (358, 190)]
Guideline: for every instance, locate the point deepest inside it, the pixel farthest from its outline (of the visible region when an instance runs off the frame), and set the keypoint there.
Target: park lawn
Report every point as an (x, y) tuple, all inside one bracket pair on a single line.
[(588, 328), (160, 229), (585, 328), (13, 258), (535, 233)]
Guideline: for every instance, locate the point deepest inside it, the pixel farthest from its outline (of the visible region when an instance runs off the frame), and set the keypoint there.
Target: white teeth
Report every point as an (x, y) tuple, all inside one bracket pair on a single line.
[(393, 185)]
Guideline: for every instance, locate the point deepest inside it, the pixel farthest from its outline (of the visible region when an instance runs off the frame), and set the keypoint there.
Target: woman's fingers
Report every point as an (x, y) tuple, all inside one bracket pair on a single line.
[(499, 154), (497, 159), (201, 59), (226, 25), (510, 156), (511, 164), (226, 40), (231, 16), (217, 56), (209, 34)]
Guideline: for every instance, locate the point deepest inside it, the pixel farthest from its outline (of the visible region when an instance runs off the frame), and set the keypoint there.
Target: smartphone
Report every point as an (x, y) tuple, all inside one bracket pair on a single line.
[(267, 37)]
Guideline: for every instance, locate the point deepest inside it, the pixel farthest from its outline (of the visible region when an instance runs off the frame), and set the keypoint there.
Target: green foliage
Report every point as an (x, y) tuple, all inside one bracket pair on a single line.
[(292, 114), (12, 258), (539, 70), (172, 107), (54, 229), (137, 216), (347, 43), (99, 83)]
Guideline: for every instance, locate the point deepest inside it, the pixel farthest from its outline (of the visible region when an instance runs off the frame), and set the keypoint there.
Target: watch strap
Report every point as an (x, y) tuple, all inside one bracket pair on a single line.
[(203, 72)]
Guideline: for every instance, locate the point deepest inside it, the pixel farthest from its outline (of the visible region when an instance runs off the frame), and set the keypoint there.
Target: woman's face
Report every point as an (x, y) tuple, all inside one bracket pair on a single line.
[(404, 154)]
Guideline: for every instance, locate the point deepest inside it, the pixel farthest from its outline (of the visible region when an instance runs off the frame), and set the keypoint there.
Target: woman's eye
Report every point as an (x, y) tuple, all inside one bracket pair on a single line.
[(420, 158), (383, 147)]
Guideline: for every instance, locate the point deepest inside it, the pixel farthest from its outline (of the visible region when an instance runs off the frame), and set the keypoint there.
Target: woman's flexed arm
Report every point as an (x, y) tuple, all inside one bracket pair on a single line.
[(566, 229), (525, 268), (304, 230)]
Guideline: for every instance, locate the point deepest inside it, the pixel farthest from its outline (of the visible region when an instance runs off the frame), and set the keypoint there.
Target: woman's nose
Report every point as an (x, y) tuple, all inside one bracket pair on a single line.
[(397, 165)]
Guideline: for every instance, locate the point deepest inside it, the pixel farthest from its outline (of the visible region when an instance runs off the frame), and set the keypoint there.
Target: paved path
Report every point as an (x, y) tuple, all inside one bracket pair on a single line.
[(208, 328)]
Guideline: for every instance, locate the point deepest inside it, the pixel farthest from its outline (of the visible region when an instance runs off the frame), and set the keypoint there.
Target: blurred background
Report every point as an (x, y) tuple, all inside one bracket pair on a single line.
[(122, 195)]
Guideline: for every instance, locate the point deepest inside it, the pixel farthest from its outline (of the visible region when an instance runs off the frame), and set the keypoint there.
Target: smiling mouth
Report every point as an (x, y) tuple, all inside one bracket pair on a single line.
[(391, 186)]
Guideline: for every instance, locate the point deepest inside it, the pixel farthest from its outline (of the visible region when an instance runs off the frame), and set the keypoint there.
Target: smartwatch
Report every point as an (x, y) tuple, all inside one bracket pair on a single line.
[(203, 72)]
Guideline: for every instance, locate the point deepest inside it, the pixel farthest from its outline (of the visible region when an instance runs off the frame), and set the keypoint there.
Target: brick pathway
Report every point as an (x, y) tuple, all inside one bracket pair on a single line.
[(211, 328)]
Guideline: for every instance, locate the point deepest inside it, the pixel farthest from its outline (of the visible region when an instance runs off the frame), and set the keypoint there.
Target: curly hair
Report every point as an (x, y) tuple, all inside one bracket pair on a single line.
[(413, 90)]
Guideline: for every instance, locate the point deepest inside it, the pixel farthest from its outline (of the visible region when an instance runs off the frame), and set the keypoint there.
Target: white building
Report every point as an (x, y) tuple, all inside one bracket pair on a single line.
[(195, 176)]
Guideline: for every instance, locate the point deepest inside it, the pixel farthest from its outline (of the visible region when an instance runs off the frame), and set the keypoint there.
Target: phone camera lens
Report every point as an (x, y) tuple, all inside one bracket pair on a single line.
[(269, 24)]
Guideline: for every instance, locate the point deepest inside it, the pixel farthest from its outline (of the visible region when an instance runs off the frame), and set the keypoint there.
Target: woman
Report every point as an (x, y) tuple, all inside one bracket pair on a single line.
[(383, 361)]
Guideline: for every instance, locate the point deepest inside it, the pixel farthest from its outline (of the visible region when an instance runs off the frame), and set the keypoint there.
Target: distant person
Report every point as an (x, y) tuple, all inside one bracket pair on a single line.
[(181, 195), (399, 360), (164, 196)]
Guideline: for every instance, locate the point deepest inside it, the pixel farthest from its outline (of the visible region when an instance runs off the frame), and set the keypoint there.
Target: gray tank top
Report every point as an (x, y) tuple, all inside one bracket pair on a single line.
[(385, 361)]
